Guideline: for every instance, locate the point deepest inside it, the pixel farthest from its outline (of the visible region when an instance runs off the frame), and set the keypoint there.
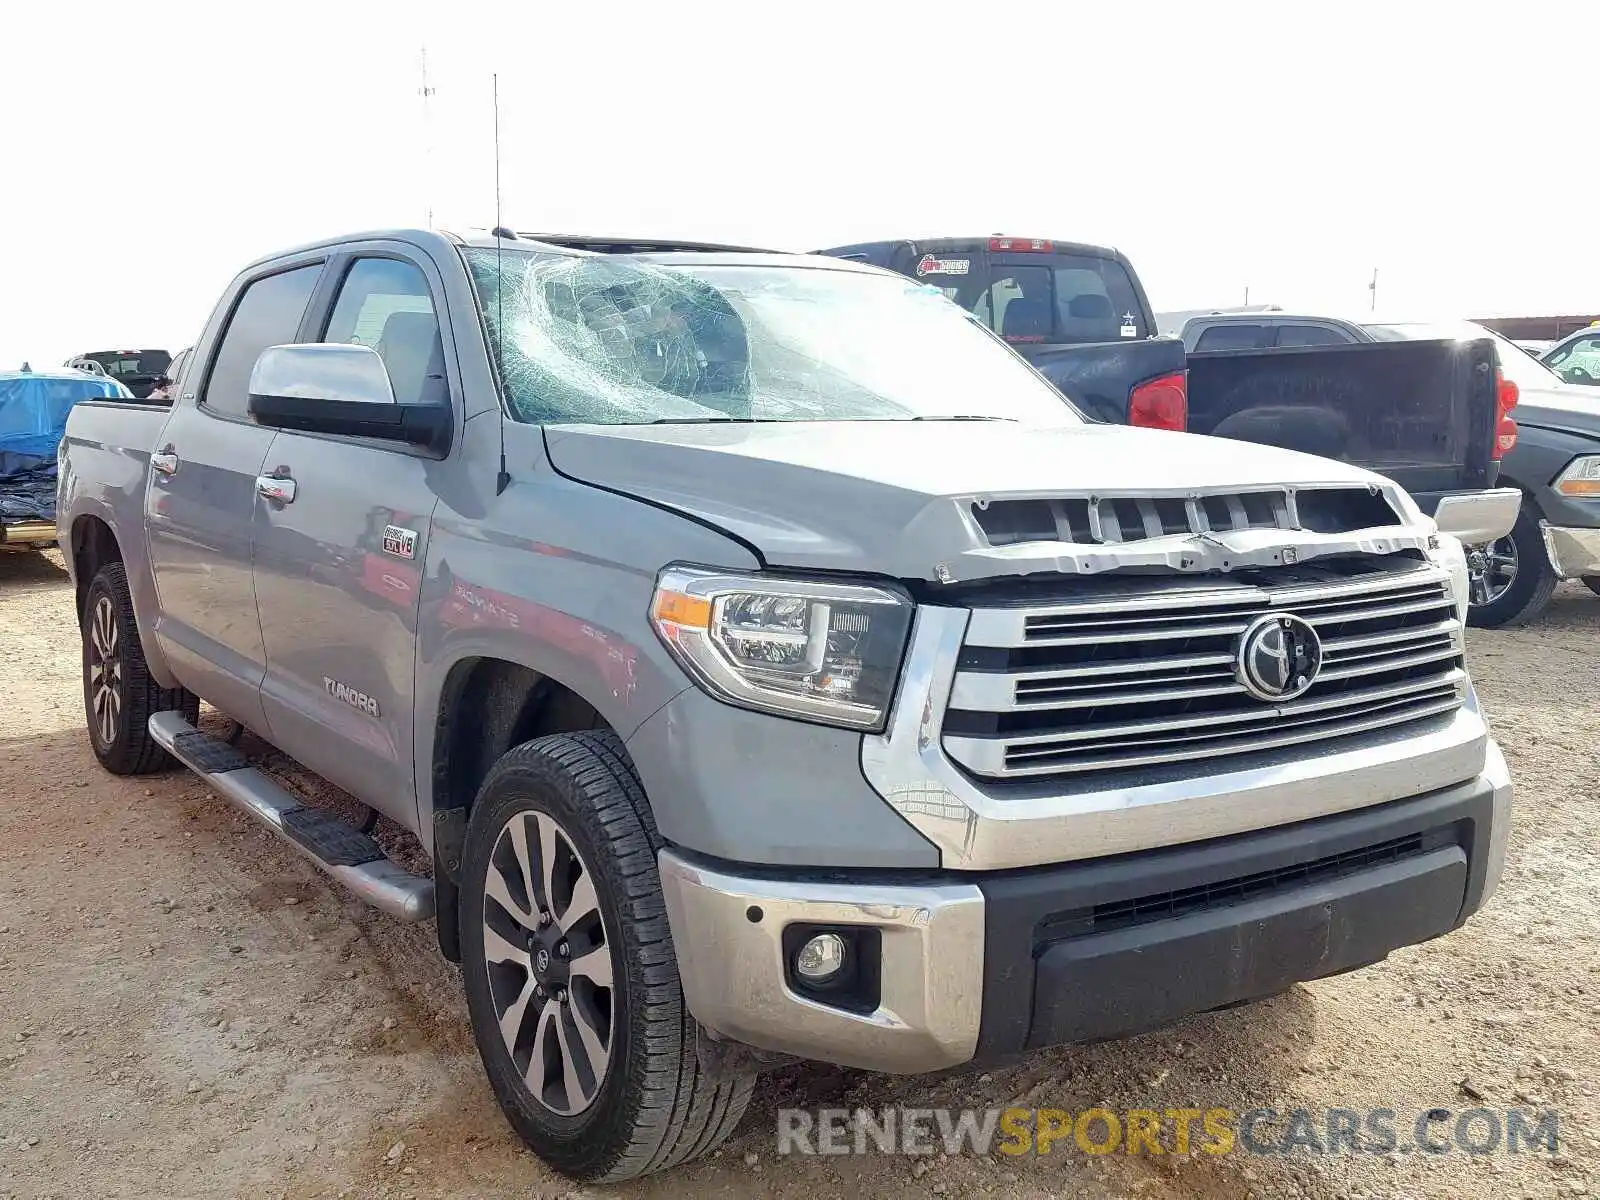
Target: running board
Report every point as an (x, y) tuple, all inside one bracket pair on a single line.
[(344, 852)]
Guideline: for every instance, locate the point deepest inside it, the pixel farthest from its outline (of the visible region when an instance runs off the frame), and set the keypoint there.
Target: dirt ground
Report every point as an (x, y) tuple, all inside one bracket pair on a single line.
[(189, 1010)]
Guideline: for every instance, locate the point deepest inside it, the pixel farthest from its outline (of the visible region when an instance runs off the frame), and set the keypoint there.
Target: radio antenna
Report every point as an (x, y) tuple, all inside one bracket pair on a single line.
[(427, 141), (504, 478)]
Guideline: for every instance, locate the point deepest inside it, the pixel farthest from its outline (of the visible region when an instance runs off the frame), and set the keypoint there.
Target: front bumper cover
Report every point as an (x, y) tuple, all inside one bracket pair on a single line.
[(1573, 551), (983, 966)]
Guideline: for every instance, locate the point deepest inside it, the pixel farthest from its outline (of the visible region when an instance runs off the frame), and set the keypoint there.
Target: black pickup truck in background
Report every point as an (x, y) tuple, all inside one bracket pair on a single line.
[(1427, 414), (1076, 312)]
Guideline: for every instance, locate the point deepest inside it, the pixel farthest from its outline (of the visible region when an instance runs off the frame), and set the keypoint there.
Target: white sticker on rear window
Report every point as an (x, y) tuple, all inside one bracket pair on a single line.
[(1130, 325), (929, 265)]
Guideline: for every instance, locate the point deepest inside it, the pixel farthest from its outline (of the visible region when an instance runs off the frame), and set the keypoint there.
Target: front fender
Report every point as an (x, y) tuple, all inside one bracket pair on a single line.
[(571, 604)]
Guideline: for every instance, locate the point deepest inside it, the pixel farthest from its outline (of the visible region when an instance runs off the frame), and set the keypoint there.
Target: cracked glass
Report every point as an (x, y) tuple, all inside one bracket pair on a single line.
[(601, 340)]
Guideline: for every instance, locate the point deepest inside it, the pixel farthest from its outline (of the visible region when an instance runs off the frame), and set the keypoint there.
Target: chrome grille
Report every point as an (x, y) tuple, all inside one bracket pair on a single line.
[(1144, 677)]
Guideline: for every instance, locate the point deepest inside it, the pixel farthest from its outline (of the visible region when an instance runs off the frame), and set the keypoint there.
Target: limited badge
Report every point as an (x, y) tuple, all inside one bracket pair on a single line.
[(929, 265), (402, 543)]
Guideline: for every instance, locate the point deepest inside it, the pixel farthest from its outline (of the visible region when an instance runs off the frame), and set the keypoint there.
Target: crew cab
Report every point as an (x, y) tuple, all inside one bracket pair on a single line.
[(1427, 416), (773, 667)]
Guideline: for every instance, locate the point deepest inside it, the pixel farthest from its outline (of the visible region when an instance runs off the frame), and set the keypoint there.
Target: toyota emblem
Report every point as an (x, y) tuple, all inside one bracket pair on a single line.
[(1278, 657)]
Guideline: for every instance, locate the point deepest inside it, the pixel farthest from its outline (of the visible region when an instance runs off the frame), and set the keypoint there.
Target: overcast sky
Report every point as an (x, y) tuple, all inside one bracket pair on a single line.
[(148, 151)]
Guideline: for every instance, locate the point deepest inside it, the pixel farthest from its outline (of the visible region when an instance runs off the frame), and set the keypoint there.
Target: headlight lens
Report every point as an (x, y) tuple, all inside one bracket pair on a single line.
[(1581, 478), (826, 652)]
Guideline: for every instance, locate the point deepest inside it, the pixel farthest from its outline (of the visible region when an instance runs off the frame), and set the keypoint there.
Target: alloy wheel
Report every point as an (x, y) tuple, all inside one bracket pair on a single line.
[(549, 965), (105, 670), (1493, 569)]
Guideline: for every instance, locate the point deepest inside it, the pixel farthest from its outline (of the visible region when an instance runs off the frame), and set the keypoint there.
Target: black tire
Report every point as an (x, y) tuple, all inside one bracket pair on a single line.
[(1592, 582), (118, 710), (1530, 589), (654, 1107)]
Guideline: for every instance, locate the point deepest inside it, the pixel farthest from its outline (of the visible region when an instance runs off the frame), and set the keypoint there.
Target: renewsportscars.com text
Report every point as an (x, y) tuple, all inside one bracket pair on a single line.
[(1182, 1131)]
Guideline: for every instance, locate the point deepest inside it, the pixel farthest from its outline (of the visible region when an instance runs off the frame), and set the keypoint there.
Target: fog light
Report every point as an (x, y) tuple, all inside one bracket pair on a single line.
[(821, 958)]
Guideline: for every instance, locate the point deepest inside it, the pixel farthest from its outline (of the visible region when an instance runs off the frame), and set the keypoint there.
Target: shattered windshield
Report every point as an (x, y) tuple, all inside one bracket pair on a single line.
[(623, 342)]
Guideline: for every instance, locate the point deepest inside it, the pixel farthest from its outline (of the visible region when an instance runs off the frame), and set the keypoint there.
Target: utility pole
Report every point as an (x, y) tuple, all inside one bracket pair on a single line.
[(427, 140), (1373, 288)]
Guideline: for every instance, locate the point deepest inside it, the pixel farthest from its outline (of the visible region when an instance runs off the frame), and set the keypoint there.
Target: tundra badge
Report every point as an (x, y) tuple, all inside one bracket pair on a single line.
[(402, 543), (343, 691)]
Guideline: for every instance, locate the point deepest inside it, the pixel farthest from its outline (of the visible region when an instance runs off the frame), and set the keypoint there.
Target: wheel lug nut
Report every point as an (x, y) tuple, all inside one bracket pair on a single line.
[(561, 997), (544, 919), (563, 950)]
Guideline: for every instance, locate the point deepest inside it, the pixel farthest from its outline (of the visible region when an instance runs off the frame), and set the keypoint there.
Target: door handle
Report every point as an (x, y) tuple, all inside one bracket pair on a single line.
[(277, 488), (164, 462)]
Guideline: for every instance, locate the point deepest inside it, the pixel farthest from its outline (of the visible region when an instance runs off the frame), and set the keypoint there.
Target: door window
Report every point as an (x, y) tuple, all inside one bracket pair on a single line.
[(384, 303), (268, 314)]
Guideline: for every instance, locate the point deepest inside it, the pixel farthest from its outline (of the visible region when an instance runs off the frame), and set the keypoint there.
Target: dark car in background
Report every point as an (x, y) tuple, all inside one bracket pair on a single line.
[(1077, 312), (140, 371)]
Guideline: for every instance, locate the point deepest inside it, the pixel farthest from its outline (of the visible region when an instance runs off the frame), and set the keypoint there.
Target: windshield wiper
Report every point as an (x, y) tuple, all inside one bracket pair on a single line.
[(965, 417)]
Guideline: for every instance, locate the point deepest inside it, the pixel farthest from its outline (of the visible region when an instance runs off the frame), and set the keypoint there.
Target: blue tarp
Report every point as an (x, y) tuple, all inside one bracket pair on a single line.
[(34, 407), (33, 416)]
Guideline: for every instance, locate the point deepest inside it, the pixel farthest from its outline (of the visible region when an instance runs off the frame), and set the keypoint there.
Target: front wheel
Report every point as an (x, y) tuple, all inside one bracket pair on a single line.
[(571, 979), (119, 695), (1511, 579)]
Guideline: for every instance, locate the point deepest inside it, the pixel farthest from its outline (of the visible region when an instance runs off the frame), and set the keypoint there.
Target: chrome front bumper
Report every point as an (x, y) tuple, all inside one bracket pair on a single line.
[(1573, 552), (1477, 518), (728, 932), (936, 968)]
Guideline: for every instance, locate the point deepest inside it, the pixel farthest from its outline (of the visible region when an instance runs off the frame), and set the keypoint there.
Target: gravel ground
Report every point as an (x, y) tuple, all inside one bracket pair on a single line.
[(189, 1010)]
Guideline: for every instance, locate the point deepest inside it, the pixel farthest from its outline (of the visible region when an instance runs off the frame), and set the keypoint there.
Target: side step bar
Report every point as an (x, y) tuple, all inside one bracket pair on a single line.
[(345, 853)]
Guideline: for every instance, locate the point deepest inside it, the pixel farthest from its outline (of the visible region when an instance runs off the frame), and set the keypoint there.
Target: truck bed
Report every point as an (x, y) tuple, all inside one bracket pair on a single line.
[(1421, 413)]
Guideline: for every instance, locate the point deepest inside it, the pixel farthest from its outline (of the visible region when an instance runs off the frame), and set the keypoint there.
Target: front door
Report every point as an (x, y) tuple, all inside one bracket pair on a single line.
[(202, 500), (338, 556)]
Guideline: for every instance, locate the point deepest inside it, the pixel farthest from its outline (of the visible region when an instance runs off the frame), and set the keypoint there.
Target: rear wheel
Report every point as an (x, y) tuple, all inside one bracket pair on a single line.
[(1592, 582), (571, 979), (1512, 579), (118, 693)]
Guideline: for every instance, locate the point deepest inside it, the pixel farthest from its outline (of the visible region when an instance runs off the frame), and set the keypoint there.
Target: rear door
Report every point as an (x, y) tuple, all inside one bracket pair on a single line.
[(337, 565), (202, 495)]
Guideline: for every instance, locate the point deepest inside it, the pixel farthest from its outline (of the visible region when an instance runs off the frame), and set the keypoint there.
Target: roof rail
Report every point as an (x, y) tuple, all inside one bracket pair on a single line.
[(622, 245)]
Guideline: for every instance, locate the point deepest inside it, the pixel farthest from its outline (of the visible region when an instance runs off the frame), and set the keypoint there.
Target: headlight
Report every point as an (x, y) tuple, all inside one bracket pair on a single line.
[(826, 652), (1450, 554), (1581, 478)]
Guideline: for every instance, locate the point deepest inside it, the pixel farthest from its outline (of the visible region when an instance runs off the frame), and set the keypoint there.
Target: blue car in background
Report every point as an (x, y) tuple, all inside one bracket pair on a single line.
[(33, 416)]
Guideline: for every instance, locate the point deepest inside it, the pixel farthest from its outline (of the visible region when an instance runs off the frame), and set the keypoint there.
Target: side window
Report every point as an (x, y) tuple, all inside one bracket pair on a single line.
[(1310, 335), (268, 314), (384, 303), (1578, 362), (1231, 337)]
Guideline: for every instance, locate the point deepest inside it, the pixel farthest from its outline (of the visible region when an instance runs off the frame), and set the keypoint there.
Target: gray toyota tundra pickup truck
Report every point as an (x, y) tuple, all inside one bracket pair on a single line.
[(773, 667)]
